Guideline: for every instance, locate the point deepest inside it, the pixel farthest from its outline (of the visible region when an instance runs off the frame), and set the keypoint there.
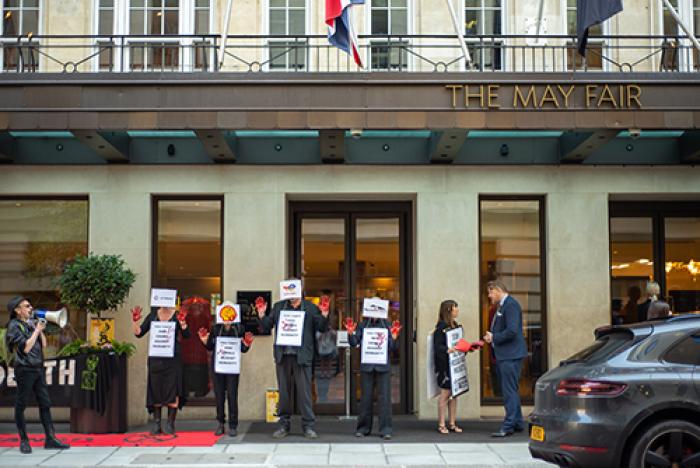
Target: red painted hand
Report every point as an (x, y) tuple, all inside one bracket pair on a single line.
[(136, 314), (395, 328), (260, 305), (202, 332), (350, 325), (181, 316), (248, 339), (325, 305)]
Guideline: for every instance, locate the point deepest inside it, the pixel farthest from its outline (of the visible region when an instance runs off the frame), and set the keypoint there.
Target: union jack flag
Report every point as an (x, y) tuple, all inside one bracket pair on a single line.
[(341, 33)]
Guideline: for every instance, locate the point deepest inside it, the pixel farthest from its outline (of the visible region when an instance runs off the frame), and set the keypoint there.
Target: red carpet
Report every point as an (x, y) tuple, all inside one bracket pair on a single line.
[(132, 439)]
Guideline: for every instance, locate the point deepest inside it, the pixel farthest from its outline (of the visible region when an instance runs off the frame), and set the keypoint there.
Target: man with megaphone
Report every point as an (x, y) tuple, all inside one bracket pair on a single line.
[(26, 342)]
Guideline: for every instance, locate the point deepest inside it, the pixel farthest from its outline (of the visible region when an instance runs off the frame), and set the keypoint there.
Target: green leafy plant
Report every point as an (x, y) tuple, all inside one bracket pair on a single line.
[(4, 352), (83, 347), (96, 283)]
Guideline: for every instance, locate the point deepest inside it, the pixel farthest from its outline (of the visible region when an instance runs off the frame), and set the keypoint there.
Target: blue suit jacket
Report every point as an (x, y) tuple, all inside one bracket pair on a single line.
[(507, 329)]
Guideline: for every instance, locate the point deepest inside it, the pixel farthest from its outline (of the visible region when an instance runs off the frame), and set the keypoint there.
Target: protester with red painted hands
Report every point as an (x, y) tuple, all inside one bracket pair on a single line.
[(374, 373), (294, 360), (225, 385), (165, 383)]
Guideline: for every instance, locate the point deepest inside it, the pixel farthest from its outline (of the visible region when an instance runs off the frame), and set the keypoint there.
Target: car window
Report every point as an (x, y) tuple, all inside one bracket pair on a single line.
[(686, 351), (602, 348)]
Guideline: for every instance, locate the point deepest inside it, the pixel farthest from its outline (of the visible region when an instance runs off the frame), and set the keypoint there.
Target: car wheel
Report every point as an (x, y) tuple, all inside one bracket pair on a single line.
[(672, 443)]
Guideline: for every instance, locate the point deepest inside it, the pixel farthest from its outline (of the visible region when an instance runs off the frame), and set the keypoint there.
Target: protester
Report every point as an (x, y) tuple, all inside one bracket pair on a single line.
[(26, 342)]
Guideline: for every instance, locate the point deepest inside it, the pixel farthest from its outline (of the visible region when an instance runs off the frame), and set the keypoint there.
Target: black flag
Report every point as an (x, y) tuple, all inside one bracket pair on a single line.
[(591, 12)]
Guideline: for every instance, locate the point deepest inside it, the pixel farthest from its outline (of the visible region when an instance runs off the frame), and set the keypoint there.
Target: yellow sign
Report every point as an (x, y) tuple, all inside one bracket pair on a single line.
[(272, 397), (101, 331), (537, 433)]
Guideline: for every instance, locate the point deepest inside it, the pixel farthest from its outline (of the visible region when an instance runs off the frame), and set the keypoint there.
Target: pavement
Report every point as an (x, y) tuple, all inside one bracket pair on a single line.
[(415, 444)]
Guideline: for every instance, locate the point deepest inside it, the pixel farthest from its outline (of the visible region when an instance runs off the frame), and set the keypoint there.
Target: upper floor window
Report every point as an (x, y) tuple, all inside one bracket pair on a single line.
[(19, 18), (154, 17), (484, 18), (677, 52), (105, 17), (389, 17), (202, 16), (288, 18)]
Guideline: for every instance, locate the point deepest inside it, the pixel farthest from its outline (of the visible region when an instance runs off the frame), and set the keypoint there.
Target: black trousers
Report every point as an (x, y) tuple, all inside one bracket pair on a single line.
[(226, 386), (294, 379), (32, 380), (382, 380)]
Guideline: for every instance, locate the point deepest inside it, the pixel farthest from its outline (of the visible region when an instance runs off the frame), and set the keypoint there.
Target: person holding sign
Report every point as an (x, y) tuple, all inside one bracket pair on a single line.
[(377, 338), (226, 341), (165, 385), (296, 322), (26, 341), (447, 402)]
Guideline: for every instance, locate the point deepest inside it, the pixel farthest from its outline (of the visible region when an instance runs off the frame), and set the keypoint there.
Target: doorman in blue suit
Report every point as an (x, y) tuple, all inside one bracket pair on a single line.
[(508, 343)]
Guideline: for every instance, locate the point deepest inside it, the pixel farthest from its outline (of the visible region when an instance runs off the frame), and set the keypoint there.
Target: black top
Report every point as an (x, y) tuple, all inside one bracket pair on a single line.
[(153, 316), (356, 340), (236, 331), (18, 332), (313, 321), (442, 362)]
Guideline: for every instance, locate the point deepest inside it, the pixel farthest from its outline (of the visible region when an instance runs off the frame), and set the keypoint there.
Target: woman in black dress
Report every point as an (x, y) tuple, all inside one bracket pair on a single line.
[(447, 320), (165, 385)]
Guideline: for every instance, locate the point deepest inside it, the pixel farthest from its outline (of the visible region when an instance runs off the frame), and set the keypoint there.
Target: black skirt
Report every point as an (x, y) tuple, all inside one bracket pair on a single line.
[(165, 382), (443, 380)]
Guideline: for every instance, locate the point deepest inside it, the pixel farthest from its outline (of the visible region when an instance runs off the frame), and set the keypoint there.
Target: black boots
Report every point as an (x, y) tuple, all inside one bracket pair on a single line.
[(219, 430), (51, 442), (24, 446), (155, 430), (170, 424)]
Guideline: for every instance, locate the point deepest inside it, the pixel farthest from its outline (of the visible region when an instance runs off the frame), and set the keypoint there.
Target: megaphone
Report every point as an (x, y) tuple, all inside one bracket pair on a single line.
[(59, 317)]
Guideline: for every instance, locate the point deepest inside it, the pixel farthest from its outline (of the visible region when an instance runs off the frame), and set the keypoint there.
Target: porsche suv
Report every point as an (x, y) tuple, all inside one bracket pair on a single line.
[(631, 399)]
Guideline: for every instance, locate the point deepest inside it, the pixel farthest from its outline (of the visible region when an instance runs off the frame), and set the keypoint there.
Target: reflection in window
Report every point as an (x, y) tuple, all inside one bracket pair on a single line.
[(510, 252), (389, 17), (154, 18), (188, 258), (594, 47), (288, 18), (20, 18), (632, 265), (37, 239), (484, 18), (682, 263)]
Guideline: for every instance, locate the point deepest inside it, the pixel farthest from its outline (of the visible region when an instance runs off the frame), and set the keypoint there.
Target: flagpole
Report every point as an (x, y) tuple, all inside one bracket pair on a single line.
[(224, 34), (540, 10), (460, 35), (680, 22)]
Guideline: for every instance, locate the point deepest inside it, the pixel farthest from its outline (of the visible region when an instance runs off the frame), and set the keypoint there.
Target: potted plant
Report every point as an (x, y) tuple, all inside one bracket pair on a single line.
[(95, 284)]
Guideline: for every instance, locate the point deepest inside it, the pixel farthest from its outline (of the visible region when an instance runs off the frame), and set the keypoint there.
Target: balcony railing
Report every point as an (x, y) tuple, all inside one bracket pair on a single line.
[(313, 53)]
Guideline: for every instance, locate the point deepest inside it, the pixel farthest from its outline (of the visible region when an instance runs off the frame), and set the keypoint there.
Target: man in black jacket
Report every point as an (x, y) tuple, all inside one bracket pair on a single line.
[(294, 363), (26, 341)]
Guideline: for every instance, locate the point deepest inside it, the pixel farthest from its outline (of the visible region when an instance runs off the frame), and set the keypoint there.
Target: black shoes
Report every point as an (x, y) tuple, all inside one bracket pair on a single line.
[(24, 446), (156, 429), (280, 433), (219, 430), (52, 442), (359, 434), (170, 423), (386, 436), (310, 433), (502, 434), (232, 432)]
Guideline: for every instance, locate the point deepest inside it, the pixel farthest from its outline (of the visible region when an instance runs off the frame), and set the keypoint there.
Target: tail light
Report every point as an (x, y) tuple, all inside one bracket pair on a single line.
[(583, 387)]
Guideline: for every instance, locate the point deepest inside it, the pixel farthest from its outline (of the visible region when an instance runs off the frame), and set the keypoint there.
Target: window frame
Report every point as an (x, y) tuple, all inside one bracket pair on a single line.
[(32, 41), (686, 10), (410, 59), (542, 205), (605, 29), (505, 60), (265, 27)]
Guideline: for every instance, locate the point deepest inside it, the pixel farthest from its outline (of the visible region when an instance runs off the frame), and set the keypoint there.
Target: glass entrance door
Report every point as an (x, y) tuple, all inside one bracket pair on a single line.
[(374, 238)]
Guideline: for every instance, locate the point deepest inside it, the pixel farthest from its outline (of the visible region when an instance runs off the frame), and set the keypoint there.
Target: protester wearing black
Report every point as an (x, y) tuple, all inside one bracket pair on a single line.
[(372, 375), (225, 385), (26, 342), (294, 364), (165, 386)]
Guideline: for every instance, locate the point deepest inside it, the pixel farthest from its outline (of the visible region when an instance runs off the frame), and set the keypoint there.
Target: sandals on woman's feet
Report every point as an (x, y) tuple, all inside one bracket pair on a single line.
[(455, 428), (443, 430)]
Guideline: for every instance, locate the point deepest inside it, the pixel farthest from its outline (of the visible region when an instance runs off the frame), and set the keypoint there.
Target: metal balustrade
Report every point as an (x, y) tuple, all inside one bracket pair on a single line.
[(313, 54)]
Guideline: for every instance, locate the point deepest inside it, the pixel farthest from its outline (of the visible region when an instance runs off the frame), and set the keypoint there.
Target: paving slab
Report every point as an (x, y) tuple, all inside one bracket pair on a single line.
[(303, 449), (298, 459), (401, 449), (74, 460), (358, 448), (360, 459), (250, 448), (465, 447), (416, 459), (200, 450), (472, 458)]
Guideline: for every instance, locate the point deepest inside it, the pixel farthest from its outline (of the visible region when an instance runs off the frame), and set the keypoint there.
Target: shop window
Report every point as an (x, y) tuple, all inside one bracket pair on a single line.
[(632, 266), (188, 257), (287, 18), (37, 239), (389, 18), (682, 263), (20, 18), (484, 18), (511, 250)]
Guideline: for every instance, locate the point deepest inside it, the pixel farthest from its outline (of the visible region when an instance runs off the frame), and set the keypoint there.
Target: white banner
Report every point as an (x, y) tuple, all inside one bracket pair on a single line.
[(290, 289), (290, 328), (458, 364), (375, 346), (163, 297), (228, 312), (227, 357), (162, 339), (375, 308)]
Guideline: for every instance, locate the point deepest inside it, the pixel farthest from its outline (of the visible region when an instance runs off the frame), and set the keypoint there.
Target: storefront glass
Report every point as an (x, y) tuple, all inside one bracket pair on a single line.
[(682, 263), (511, 251), (37, 239)]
